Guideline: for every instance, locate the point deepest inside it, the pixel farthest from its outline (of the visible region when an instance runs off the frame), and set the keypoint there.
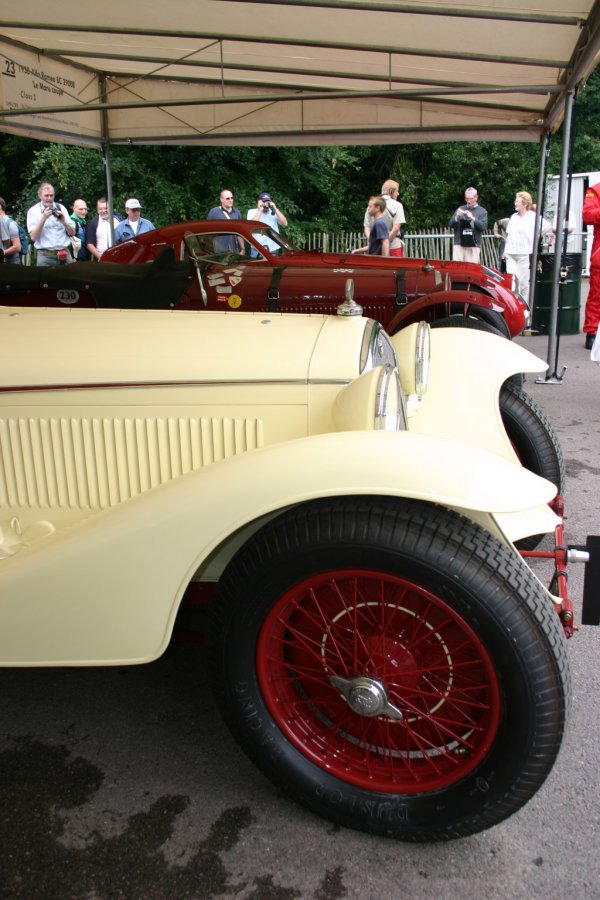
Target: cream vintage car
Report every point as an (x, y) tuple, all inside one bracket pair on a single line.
[(376, 642)]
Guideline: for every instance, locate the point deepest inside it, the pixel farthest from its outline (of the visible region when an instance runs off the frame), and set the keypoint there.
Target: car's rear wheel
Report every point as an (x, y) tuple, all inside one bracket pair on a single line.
[(389, 664)]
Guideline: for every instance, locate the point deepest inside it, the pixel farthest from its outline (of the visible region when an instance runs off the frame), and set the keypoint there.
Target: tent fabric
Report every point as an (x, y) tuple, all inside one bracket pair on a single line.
[(304, 72)]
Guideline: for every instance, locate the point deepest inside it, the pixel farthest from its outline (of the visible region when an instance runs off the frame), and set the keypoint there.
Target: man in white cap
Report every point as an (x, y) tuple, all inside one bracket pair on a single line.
[(134, 224)]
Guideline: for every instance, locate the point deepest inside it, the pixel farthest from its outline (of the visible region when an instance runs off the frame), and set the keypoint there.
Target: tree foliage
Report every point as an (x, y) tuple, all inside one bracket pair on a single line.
[(318, 188)]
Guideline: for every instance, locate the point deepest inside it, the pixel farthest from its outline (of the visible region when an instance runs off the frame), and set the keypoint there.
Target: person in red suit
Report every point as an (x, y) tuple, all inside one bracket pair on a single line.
[(591, 216)]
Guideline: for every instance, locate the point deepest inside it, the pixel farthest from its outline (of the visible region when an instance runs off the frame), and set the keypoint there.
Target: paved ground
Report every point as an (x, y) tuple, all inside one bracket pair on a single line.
[(125, 784)]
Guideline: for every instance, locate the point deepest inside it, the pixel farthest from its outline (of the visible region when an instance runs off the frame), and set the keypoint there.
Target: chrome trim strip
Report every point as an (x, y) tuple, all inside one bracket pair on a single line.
[(168, 384)]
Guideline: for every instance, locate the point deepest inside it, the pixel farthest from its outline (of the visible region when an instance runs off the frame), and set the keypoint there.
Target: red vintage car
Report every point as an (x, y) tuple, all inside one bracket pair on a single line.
[(245, 265), (225, 266)]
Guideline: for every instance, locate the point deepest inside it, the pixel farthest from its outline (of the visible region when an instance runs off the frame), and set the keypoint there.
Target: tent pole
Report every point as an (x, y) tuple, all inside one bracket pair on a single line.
[(106, 159), (553, 377), (109, 189), (544, 152)]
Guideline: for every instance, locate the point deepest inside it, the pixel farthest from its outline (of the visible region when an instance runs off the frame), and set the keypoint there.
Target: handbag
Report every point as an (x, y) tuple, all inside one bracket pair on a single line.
[(75, 246), (595, 351)]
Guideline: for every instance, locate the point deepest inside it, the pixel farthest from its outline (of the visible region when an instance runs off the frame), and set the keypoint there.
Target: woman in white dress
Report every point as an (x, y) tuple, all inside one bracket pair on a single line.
[(519, 241)]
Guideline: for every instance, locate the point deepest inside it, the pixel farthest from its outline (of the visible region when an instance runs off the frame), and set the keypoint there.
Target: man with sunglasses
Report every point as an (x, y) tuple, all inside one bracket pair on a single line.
[(226, 210)]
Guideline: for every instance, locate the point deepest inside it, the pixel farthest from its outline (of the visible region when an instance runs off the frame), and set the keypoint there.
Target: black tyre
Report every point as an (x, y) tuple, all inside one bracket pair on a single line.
[(532, 435), (534, 440), (483, 313), (391, 665), (530, 432), (477, 324)]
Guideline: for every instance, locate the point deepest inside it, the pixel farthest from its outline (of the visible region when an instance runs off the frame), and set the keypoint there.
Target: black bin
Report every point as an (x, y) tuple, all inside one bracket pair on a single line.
[(569, 294)]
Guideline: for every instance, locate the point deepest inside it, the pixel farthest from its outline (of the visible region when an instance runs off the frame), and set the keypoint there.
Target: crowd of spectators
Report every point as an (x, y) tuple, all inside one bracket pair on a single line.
[(59, 237)]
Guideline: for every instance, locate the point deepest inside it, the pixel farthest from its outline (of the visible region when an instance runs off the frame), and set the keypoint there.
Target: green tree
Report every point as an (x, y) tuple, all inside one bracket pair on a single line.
[(318, 188)]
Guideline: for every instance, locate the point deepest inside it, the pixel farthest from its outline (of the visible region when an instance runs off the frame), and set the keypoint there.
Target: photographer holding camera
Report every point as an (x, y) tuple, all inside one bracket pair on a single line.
[(50, 229), (469, 222), (266, 211)]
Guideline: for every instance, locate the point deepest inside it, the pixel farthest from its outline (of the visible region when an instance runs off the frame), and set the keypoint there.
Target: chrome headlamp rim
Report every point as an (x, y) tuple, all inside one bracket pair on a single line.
[(377, 348), (389, 384), (422, 358)]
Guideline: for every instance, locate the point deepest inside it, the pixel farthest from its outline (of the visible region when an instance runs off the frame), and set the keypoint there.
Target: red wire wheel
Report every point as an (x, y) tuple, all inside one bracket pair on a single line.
[(378, 681), (390, 665)]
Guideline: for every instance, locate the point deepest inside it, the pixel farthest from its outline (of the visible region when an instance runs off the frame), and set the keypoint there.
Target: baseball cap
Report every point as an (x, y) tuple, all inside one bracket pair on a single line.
[(132, 203), (264, 196)]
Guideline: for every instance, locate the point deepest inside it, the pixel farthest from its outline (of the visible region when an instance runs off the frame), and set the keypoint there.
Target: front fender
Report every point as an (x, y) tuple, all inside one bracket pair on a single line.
[(467, 371), (443, 300), (106, 590)]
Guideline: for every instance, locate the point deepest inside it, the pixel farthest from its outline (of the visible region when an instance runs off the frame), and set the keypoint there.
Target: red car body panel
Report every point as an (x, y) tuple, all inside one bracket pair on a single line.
[(396, 291)]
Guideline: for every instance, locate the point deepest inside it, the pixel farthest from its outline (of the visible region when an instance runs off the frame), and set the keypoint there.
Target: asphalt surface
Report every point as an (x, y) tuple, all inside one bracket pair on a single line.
[(124, 783)]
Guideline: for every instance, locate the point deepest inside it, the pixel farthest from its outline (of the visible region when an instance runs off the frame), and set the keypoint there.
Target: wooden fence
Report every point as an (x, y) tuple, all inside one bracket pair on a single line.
[(435, 244)]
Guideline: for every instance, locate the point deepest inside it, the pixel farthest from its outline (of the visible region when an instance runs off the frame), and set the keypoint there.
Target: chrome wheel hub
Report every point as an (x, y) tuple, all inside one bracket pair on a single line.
[(366, 696)]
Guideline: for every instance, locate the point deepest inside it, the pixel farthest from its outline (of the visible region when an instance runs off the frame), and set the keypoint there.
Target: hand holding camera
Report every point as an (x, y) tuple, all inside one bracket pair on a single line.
[(53, 210), (267, 206)]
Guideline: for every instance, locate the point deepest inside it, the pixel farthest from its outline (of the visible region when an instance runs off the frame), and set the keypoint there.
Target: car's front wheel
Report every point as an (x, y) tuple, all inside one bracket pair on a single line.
[(391, 665), (532, 435), (460, 320)]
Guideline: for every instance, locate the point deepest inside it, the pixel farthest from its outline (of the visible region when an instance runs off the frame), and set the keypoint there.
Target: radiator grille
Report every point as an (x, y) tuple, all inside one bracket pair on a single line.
[(100, 462)]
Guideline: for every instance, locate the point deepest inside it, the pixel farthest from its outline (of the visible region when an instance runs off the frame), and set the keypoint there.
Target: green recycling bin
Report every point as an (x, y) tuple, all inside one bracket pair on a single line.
[(569, 294)]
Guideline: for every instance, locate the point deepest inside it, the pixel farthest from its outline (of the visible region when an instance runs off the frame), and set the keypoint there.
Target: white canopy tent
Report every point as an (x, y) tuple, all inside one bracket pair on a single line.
[(301, 72), (297, 72)]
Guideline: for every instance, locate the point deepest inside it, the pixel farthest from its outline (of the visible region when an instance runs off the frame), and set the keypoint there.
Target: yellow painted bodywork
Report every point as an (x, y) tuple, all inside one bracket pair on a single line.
[(137, 448), (468, 368), (106, 589)]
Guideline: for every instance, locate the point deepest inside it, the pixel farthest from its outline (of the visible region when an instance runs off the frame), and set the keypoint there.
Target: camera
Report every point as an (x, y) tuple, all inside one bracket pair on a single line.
[(267, 206), (56, 211)]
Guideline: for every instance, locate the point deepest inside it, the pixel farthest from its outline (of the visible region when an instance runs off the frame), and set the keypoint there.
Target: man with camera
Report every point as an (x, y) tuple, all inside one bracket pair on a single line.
[(469, 222), (266, 211), (50, 229)]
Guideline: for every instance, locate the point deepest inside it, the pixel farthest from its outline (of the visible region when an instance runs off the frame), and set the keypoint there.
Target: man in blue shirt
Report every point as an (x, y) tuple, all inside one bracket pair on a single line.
[(379, 235), (134, 224)]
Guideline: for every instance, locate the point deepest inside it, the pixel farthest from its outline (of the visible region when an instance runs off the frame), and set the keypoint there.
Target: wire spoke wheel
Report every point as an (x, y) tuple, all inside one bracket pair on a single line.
[(378, 681), (391, 665)]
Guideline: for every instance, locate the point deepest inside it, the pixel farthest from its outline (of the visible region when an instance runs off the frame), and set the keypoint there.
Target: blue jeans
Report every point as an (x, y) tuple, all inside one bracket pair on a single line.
[(49, 258)]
